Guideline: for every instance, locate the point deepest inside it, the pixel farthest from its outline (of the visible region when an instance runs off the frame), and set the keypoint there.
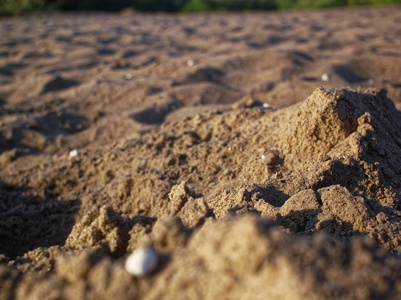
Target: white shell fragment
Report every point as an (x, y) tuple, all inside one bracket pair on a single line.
[(74, 153), (142, 262), (325, 77)]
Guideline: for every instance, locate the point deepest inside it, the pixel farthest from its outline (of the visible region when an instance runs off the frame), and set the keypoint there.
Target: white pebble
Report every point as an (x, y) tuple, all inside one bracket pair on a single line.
[(325, 77), (128, 76), (190, 62), (142, 262), (266, 105), (262, 156), (74, 153)]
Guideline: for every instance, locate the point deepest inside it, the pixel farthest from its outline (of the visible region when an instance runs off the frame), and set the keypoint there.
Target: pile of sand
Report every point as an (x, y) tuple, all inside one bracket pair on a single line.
[(248, 203)]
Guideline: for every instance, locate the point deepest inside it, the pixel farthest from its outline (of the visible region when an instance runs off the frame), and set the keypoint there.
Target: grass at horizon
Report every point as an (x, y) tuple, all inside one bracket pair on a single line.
[(18, 7)]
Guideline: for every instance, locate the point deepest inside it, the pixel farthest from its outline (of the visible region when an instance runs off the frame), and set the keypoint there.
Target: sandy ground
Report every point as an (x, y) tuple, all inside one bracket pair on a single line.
[(258, 153)]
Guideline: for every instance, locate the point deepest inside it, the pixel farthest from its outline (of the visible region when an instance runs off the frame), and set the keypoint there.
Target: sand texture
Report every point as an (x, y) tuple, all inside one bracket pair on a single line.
[(258, 153)]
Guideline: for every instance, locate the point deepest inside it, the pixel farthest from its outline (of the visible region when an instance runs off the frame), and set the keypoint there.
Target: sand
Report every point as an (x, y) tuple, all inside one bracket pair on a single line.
[(258, 153)]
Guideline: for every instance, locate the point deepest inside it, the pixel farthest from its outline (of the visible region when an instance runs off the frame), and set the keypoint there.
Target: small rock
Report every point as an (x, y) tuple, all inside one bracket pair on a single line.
[(74, 153), (325, 77), (142, 262)]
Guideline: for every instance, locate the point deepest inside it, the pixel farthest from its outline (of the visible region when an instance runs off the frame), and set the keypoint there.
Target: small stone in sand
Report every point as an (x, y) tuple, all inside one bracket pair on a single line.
[(142, 262), (325, 77), (190, 62), (128, 76), (74, 153)]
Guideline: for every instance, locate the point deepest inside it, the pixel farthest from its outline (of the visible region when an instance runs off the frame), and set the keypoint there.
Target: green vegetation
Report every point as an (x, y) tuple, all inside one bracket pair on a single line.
[(15, 7), (10, 7), (225, 5)]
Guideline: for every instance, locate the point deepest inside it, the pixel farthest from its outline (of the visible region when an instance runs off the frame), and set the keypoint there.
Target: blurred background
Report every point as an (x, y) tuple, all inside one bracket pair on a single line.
[(15, 7)]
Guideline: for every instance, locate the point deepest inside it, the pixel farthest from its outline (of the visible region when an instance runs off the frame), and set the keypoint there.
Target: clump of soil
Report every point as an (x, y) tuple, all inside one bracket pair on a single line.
[(247, 203)]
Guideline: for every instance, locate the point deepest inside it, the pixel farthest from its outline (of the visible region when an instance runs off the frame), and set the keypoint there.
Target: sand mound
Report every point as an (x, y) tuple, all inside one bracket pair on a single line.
[(241, 258), (325, 173)]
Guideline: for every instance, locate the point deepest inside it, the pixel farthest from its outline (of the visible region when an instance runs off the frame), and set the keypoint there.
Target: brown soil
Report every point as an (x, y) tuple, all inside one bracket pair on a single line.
[(212, 138)]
